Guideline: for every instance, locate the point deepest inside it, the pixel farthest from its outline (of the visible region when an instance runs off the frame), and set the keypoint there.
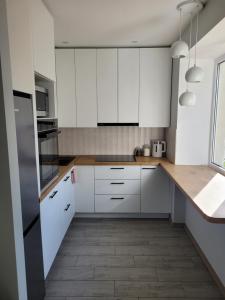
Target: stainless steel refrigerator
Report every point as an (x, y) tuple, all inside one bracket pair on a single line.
[(29, 195)]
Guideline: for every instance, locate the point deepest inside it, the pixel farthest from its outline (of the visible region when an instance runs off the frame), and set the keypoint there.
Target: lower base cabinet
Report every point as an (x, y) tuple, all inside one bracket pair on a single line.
[(155, 190), (57, 211), (84, 189), (117, 203), (122, 189)]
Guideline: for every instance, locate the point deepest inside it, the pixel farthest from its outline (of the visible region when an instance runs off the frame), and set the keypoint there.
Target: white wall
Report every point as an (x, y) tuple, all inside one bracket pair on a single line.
[(171, 131), (210, 238), (193, 123)]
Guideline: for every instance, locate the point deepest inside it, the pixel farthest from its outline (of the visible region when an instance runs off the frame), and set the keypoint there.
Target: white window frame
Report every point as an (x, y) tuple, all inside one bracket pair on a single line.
[(217, 168)]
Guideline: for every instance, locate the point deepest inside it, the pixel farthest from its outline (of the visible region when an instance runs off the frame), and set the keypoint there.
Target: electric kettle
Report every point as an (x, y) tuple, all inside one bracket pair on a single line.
[(158, 148)]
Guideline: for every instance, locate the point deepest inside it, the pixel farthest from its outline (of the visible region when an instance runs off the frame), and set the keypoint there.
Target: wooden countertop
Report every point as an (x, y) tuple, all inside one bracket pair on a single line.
[(201, 184), (140, 160), (62, 172)]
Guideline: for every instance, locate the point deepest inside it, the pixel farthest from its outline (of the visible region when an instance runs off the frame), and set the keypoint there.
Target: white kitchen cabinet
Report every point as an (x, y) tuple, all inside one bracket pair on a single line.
[(57, 211), (117, 172), (155, 190), (155, 87), (107, 85), (65, 86), (128, 85), (43, 40), (117, 203), (51, 226), (20, 44), (86, 87), (68, 203), (84, 189), (117, 187)]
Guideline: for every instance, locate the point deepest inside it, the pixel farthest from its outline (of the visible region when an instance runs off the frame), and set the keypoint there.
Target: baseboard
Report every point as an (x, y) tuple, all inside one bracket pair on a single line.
[(123, 215), (206, 262)]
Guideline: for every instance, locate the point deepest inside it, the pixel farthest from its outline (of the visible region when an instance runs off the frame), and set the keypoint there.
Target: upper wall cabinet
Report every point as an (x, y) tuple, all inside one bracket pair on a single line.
[(86, 90), (20, 45), (65, 87), (113, 86), (155, 87), (107, 85), (128, 85), (43, 40)]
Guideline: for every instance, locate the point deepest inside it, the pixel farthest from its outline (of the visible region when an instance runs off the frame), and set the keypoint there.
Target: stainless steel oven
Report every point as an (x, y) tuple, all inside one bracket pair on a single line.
[(48, 150)]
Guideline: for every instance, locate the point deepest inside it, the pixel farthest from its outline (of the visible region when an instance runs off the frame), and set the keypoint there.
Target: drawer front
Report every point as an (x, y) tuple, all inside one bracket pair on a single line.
[(116, 187), (117, 172), (117, 204)]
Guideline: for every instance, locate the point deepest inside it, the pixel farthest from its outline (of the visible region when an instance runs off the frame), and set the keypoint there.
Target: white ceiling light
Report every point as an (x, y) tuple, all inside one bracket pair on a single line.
[(195, 74), (179, 49), (188, 98)]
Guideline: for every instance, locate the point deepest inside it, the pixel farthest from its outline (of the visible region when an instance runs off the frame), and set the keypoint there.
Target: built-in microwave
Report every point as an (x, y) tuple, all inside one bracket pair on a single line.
[(42, 102)]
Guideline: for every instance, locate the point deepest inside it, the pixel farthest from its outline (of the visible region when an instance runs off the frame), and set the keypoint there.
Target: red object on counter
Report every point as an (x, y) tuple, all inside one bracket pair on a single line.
[(73, 175)]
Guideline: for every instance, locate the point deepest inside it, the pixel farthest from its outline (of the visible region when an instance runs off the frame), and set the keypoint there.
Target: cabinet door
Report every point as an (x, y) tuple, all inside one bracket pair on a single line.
[(117, 203), (43, 40), (117, 187), (86, 90), (107, 85), (20, 45), (50, 211), (155, 87), (68, 207), (84, 189), (128, 85), (65, 76), (155, 191), (117, 172)]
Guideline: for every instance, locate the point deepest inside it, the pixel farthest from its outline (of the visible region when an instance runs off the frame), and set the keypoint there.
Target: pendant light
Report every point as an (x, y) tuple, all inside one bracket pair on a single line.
[(188, 98), (179, 49), (195, 74)]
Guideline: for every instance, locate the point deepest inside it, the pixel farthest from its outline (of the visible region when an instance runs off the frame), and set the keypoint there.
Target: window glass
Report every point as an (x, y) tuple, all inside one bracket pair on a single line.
[(219, 120)]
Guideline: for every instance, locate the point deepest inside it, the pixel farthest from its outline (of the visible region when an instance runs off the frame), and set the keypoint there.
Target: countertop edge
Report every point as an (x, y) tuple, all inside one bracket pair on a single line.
[(140, 161)]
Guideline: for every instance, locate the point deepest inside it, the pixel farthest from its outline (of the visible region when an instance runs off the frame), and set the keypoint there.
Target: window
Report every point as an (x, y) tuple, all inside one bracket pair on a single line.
[(218, 147)]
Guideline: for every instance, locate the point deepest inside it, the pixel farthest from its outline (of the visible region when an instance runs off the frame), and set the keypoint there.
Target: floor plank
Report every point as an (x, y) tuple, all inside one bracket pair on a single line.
[(113, 259)]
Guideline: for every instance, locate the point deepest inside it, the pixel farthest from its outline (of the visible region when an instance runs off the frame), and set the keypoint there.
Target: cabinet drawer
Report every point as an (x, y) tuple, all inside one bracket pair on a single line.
[(117, 172), (116, 187), (117, 204)]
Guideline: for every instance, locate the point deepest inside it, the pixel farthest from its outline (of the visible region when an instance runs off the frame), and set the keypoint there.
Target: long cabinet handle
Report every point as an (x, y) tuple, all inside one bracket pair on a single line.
[(53, 194), (67, 207), (150, 168), (116, 168), (67, 177), (119, 198), (117, 183)]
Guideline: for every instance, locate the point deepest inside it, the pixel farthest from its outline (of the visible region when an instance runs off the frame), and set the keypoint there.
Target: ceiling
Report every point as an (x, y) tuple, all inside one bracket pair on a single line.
[(118, 23), (212, 45)]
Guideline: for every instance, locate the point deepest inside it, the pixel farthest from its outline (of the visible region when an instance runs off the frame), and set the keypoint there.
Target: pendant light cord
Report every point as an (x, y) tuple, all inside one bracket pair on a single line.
[(196, 37), (190, 44), (180, 24)]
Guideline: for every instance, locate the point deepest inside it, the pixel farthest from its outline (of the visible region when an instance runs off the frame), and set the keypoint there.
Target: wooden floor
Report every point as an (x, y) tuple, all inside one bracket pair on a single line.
[(128, 260)]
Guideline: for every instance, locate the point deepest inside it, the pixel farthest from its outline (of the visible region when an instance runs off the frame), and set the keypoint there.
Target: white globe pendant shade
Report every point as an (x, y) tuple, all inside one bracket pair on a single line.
[(194, 74), (179, 49), (187, 99)]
